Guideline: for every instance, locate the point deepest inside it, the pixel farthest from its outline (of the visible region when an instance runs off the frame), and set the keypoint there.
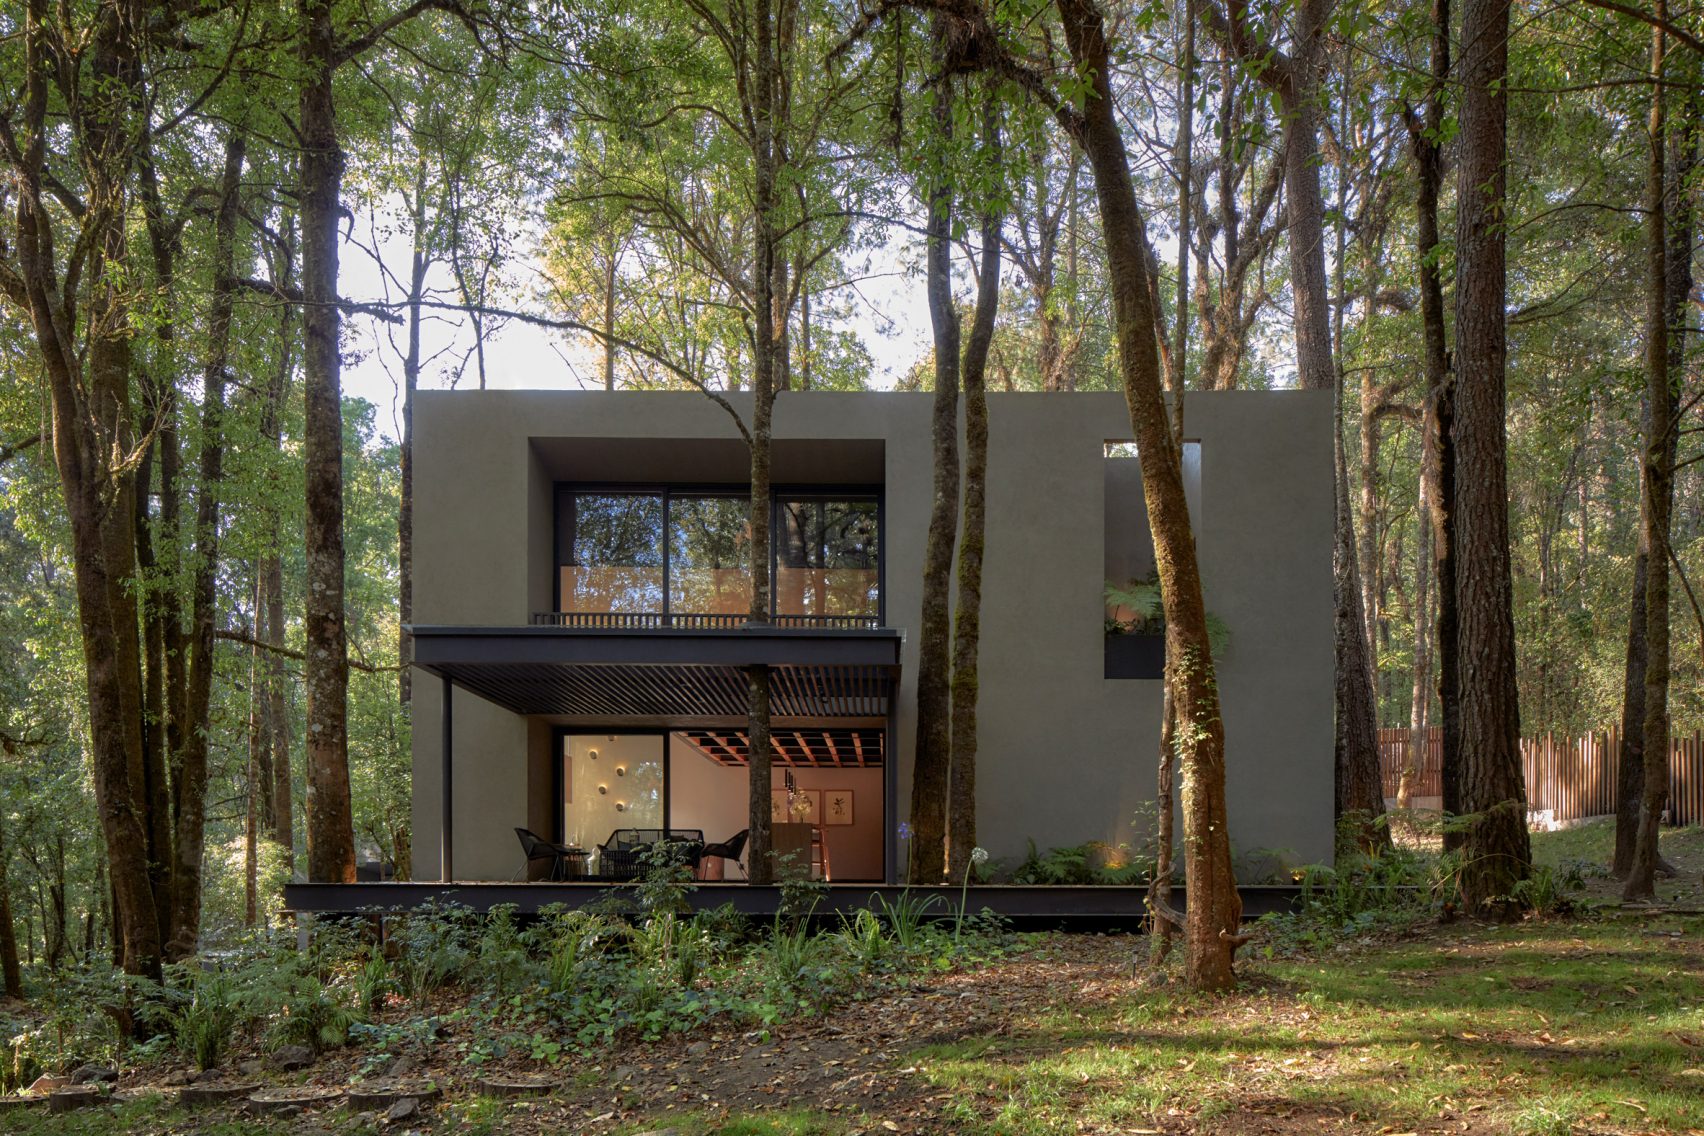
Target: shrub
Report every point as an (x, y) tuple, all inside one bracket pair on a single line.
[(203, 1014), (432, 948)]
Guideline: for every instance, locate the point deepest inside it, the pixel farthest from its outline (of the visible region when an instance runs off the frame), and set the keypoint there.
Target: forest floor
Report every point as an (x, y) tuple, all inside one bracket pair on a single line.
[(1587, 1024)]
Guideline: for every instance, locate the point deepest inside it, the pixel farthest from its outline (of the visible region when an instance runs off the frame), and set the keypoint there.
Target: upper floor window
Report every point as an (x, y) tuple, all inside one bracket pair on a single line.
[(709, 554), (615, 560), (827, 556), (688, 552)]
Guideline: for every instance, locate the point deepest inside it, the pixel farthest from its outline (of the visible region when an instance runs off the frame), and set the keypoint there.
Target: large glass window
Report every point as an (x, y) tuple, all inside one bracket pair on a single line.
[(688, 553), (610, 781), (826, 557), (709, 555), (615, 560)]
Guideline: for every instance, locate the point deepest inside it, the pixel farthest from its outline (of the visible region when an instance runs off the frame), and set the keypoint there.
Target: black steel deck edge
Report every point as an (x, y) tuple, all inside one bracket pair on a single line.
[(1025, 904)]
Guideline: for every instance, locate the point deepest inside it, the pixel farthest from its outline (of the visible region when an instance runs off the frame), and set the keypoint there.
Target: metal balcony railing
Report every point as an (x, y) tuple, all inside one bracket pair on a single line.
[(693, 621)]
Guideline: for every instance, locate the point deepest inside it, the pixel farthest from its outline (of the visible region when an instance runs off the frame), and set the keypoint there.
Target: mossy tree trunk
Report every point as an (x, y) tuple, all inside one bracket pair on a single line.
[(967, 619), (932, 753), (1212, 929)]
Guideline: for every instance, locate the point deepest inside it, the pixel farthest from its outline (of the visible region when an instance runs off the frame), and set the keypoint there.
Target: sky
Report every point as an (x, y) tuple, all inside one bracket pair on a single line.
[(891, 316)]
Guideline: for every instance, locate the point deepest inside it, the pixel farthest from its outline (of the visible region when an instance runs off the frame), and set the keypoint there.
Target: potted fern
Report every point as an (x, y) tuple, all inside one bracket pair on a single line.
[(1136, 629)]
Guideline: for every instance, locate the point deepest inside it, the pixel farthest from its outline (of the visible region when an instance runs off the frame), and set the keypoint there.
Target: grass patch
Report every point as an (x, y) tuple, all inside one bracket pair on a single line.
[(152, 1114), (787, 1122), (1543, 1027)]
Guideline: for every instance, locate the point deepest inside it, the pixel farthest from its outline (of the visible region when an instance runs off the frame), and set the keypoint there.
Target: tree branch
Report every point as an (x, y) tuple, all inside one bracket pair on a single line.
[(293, 295), (1680, 34), (1697, 613), (248, 640), (13, 449)]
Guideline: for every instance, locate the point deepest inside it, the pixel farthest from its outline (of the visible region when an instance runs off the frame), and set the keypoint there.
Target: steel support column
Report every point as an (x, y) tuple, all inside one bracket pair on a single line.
[(890, 788), (446, 845)]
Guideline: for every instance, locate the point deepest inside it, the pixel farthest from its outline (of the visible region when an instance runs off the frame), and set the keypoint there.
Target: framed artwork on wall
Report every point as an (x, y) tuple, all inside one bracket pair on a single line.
[(836, 806)]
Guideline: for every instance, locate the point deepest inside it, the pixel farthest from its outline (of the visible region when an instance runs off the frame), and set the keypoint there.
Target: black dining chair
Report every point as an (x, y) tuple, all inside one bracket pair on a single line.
[(537, 848), (729, 849)]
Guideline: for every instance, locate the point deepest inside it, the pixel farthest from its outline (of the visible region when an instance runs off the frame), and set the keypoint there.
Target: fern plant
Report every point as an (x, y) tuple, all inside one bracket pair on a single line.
[(1142, 598)]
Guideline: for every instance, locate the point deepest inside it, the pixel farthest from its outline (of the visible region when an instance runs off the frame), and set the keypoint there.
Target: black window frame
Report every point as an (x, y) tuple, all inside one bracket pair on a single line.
[(856, 493)]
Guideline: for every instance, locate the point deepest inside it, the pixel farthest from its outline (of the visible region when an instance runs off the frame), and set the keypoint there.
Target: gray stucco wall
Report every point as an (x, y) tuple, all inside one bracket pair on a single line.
[(1066, 755)]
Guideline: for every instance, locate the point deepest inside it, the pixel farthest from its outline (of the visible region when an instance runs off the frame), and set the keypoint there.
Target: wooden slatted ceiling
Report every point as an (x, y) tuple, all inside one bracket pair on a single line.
[(622, 690), (823, 749)]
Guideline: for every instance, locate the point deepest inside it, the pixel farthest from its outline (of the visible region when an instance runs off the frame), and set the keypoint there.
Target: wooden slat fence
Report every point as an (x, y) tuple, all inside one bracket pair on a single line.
[(1571, 777)]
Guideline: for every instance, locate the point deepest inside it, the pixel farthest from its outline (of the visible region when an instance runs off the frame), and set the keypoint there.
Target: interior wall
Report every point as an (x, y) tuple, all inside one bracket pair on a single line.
[(706, 795)]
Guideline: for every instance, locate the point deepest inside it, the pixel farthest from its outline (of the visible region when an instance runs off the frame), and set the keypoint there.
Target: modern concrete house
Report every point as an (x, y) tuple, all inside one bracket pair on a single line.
[(581, 588)]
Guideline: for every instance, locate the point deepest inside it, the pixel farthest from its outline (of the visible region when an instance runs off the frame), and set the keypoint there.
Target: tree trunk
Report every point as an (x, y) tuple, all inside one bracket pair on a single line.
[(255, 786), (1630, 760), (758, 844), (331, 827), (1496, 853), (967, 619), (272, 586), (92, 431), (1367, 550), (1185, 149), (1215, 910), (609, 315), (11, 974), (932, 753), (1295, 79), (1358, 784), (1164, 922), (1420, 698), (164, 649), (418, 263), (1662, 395), (1437, 462), (189, 791)]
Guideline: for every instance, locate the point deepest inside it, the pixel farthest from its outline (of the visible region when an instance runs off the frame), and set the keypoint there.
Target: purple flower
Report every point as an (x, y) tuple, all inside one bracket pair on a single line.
[(904, 830)]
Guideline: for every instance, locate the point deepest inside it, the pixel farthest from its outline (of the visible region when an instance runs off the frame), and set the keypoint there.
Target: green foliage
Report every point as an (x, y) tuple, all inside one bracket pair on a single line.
[(373, 983), (1551, 891), (1143, 608), (667, 881), (1094, 862), (205, 1017), (908, 918), (1363, 894), (76, 1020), (433, 947)]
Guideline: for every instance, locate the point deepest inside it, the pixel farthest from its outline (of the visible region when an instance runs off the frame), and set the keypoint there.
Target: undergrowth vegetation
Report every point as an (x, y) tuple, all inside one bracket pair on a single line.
[(638, 965), (1394, 889)]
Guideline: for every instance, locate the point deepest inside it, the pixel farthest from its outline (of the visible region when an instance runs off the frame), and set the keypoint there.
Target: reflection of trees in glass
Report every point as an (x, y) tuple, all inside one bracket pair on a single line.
[(709, 555), (618, 553), (826, 554), (828, 558)]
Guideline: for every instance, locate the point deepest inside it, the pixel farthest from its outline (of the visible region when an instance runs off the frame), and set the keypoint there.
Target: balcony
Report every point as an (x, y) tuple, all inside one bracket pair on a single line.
[(679, 559), (696, 621)]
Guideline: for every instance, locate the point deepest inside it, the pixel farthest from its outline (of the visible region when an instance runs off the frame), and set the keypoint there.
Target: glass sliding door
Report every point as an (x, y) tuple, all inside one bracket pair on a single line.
[(709, 554), (827, 559), (610, 781), (615, 559)]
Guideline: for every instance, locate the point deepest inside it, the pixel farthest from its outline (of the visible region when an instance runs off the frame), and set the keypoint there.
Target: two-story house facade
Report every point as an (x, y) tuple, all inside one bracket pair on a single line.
[(582, 578)]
